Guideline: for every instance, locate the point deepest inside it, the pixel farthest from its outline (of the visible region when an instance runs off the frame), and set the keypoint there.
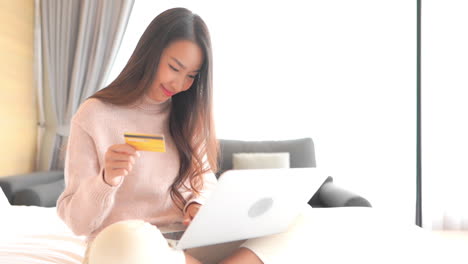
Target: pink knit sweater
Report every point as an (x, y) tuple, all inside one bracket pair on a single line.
[(88, 204)]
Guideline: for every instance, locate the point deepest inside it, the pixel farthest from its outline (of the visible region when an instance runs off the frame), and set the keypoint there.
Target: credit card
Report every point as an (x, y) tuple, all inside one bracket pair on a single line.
[(146, 142)]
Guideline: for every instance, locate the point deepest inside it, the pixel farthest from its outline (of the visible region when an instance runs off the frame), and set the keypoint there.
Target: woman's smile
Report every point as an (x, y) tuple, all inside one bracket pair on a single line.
[(167, 92)]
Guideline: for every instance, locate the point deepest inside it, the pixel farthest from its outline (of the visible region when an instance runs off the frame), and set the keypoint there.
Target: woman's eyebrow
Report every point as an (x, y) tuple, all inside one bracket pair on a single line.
[(181, 65)]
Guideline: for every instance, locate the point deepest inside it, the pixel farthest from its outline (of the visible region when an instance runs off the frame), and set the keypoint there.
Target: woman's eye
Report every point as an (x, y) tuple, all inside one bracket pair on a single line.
[(173, 68), (192, 76)]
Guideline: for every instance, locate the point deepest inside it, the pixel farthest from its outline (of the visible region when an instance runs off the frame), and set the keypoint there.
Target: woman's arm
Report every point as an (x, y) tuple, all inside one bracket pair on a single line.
[(87, 199)]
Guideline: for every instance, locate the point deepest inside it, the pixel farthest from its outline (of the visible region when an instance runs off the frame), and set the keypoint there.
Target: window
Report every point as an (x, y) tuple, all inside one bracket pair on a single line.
[(342, 72)]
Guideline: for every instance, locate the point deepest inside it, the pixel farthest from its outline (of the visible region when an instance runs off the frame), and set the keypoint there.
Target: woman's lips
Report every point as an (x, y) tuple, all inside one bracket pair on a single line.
[(166, 92)]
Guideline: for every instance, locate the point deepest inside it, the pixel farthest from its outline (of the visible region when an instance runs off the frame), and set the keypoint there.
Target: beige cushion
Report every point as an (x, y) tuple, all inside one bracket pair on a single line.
[(274, 160)]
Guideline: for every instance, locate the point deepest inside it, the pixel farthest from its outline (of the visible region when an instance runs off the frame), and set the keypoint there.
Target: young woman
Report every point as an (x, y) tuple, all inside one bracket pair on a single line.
[(165, 89)]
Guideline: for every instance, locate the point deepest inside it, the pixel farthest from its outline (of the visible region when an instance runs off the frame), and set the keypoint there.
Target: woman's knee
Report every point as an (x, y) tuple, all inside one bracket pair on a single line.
[(132, 241)]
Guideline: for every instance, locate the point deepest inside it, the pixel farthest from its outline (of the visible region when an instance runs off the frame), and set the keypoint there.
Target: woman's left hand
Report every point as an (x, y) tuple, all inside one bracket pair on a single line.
[(190, 213)]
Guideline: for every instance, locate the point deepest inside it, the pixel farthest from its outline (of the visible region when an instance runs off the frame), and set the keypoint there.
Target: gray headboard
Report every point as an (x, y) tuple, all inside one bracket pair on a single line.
[(301, 151)]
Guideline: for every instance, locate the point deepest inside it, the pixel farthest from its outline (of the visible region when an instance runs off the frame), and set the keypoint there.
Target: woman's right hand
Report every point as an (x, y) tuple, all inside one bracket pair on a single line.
[(118, 163)]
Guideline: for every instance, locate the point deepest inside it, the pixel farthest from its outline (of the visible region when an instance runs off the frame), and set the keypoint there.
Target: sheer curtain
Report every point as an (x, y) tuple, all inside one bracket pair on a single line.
[(75, 44), (341, 72), (444, 114)]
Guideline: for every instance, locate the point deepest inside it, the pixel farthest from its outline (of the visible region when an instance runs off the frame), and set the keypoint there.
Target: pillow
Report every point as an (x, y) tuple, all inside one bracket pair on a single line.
[(4, 203), (272, 160)]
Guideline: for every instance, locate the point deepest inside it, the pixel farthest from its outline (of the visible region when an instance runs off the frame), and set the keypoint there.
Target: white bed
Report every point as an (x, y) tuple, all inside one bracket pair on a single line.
[(31, 234), (336, 235)]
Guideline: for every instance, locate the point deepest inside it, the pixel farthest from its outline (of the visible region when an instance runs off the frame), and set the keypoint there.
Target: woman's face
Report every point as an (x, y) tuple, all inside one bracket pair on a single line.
[(178, 67)]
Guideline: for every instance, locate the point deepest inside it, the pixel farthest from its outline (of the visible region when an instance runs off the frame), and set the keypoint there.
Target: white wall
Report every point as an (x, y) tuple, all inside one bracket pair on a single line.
[(342, 72)]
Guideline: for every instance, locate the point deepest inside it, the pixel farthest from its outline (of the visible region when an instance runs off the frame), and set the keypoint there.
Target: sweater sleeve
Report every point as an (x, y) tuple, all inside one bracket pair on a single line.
[(87, 199)]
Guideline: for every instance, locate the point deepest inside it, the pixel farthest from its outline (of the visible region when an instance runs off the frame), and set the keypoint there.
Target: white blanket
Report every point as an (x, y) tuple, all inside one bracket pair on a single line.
[(32, 234), (336, 235)]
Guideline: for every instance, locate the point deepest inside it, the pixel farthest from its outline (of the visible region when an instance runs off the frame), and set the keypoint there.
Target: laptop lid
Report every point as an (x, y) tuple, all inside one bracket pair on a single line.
[(251, 203)]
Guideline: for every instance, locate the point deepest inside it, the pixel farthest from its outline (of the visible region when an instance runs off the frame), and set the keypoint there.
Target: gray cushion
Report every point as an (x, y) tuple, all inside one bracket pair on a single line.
[(13, 184), (45, 195), (332, 195)]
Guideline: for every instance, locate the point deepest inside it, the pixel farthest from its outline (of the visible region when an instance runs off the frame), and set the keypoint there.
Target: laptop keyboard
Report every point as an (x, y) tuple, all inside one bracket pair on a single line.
[(174, 235)]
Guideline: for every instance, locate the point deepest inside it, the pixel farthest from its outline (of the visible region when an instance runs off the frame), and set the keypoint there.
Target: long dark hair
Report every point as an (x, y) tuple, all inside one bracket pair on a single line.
[(191, 121)]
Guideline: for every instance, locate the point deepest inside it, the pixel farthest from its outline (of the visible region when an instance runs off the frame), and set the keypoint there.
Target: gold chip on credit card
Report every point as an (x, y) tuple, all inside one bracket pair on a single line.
[(146, 142)]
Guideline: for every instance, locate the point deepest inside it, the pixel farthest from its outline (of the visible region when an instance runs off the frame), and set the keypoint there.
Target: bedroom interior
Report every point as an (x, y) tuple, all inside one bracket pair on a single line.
[(354, 95)]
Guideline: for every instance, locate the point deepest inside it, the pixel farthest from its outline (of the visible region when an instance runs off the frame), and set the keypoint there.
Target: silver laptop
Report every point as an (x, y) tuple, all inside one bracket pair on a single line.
[(248, 204)]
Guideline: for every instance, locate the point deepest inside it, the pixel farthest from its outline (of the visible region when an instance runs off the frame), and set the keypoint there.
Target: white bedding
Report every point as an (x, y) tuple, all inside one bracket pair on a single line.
[(336, 235), (365, 235), (32, 234)]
